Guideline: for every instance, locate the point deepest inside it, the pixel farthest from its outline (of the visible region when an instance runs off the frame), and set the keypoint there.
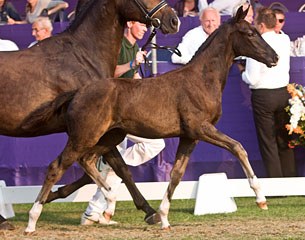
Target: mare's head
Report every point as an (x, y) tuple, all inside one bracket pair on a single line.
[(247, 41), (156, 13)]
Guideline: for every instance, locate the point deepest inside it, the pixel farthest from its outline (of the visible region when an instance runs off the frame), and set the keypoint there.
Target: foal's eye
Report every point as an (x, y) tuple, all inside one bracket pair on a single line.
[(251, 34)]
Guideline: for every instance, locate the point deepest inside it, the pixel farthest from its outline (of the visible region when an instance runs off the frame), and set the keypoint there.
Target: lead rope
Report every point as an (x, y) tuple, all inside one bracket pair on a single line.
[(171, 49)]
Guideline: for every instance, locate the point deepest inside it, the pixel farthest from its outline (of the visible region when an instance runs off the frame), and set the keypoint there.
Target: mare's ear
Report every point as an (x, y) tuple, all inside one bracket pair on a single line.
[(241, 14)]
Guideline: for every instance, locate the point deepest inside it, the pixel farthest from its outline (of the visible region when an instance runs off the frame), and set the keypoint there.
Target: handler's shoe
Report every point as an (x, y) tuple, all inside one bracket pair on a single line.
[(89, 219), (6, 226)]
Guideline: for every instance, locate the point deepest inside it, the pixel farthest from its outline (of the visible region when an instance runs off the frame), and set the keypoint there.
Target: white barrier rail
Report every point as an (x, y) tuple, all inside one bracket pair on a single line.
[(155, 190)]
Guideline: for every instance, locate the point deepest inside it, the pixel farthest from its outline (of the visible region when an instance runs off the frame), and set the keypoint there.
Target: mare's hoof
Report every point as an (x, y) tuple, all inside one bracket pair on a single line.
[(262, 205), (6, 226), (153, 219)]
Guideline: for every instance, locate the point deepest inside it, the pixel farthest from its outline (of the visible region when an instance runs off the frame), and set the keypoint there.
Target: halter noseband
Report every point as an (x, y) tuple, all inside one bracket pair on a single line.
[(150, 14)]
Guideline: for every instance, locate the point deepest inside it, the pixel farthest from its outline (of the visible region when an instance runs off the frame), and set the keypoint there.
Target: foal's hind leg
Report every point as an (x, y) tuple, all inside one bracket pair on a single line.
[(212, 135), (185, 148)]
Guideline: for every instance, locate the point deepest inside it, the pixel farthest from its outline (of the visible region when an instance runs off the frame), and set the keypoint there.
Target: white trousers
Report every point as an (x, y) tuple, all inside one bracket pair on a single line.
[(142, 151)]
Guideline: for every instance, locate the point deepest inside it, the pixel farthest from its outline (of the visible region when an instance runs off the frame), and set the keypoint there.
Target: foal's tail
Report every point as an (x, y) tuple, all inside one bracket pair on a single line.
[(47, 111)]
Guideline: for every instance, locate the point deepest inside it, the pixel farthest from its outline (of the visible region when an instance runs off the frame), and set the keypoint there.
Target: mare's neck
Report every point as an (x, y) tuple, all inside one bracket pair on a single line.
[(99, 34)]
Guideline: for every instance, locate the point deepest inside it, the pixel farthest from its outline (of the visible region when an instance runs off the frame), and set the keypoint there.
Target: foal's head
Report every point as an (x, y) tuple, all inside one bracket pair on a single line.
[(247, 41)]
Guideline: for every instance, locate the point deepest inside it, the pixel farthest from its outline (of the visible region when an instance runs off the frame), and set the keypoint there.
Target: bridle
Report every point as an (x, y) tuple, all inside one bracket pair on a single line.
[(149, 15), (156, 24)]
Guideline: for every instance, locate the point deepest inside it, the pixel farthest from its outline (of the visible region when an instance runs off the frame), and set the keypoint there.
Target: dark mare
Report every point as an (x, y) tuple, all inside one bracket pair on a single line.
[(185, 103), (86, 52)]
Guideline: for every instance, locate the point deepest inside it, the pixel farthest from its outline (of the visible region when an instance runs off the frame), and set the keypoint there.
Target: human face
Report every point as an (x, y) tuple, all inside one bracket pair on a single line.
[(138, 30), (280, 21), (210, 21), (39, 33)]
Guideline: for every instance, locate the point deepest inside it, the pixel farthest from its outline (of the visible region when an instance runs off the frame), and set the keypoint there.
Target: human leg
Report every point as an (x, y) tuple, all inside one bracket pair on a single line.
[(143, 150), (263, 113), (101, 208)]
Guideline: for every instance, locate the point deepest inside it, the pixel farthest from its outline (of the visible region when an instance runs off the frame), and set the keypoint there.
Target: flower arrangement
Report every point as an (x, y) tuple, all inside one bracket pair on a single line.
[(296, 110)]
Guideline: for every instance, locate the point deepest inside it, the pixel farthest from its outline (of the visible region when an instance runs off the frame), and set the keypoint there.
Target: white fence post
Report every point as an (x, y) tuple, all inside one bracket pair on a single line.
[(6, 209)]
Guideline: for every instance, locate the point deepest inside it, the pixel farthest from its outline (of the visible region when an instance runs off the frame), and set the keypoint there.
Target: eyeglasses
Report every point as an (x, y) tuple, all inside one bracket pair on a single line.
[(281, 20)]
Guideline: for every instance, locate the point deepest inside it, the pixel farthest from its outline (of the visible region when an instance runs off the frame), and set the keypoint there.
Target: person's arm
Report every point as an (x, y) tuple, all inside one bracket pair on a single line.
[(123, 68), (185, 48), (251, 73), (55, 6)]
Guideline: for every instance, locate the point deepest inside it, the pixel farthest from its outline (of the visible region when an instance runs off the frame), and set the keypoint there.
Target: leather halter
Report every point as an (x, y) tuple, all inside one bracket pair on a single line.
[(155, 22)]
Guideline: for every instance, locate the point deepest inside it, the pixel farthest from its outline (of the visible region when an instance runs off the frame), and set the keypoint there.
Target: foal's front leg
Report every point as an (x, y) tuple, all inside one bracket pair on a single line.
[(185, 148), (212, 135)]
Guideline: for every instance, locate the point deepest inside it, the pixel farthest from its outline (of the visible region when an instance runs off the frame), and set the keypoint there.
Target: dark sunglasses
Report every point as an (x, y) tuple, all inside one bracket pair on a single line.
[(281, 20)]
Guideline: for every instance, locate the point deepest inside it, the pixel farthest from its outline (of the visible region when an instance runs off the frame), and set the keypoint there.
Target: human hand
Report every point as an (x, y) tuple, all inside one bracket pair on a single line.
[(140, 57), (10, 20)]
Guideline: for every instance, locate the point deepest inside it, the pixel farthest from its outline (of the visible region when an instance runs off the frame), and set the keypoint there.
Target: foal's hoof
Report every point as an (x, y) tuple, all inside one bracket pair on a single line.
[(153, 219), (29, 233), (168, 228), (262, 205)]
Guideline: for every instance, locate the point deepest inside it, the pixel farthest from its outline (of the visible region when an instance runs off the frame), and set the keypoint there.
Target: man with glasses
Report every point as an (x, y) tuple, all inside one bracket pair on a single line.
[(280, 20), (41, 29)]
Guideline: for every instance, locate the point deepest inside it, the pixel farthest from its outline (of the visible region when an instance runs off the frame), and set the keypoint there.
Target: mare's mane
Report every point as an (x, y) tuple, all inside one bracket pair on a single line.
[(83, 11)]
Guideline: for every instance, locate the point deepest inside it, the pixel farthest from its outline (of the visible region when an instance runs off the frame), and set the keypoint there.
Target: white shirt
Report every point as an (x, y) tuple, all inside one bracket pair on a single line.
[(8, 45), (258, 75), (191, 41), (225, 7)]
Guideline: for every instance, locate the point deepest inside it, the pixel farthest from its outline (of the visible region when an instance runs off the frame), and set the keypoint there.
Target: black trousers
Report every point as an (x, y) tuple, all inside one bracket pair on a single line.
[(270, 119)]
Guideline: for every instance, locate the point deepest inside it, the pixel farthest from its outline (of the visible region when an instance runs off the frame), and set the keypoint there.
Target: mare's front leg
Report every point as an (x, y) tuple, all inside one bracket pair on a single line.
[(185, 148), (212, 135), (117, 163)]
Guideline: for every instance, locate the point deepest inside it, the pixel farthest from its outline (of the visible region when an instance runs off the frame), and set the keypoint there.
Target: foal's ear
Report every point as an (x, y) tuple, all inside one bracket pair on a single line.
[(241, 14)]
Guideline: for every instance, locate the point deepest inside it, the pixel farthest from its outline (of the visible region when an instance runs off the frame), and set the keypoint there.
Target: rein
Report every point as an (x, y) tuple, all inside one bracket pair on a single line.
[(155, 23), (174, 50)]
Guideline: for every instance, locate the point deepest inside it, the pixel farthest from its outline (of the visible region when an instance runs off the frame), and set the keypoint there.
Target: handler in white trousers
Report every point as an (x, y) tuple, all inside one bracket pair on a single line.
[(100, 209)]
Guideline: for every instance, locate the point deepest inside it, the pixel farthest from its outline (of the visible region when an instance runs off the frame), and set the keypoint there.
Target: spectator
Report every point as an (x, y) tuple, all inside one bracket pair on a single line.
[(36, 8), (269, 99), (41, 29), (280, 20), (186, 8), (193, 39), (255, 4), (7, 11), (224, 7), (101, 209)]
